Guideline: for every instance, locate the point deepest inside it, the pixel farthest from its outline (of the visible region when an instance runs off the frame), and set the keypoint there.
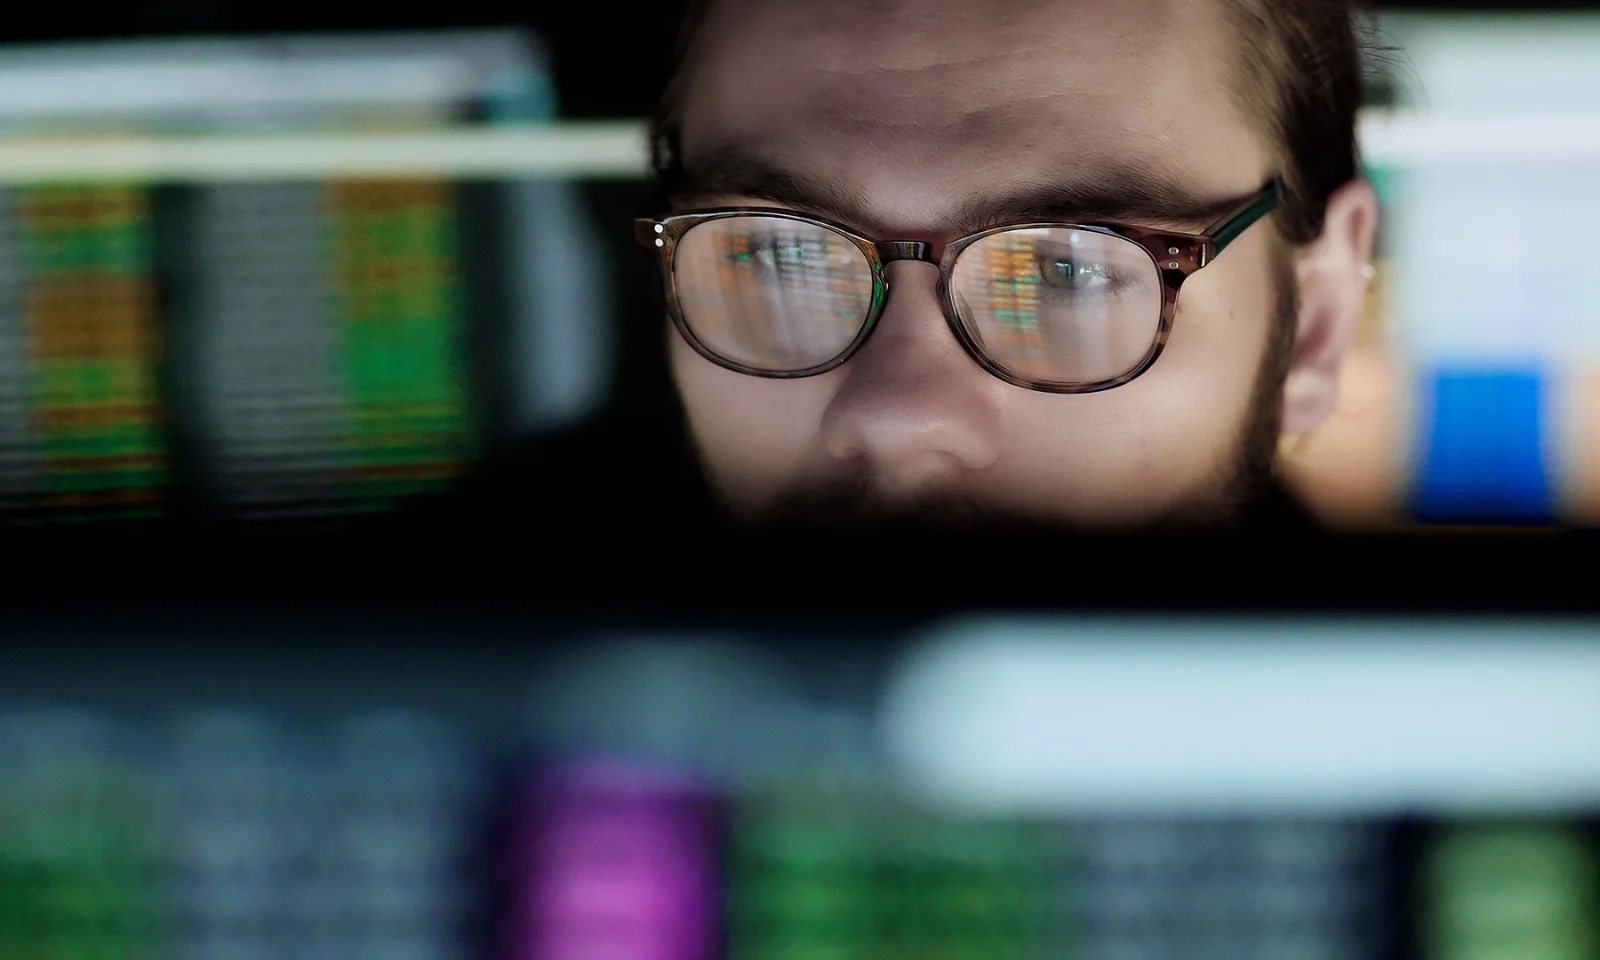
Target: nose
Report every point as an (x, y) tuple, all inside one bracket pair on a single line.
[(913, 406)]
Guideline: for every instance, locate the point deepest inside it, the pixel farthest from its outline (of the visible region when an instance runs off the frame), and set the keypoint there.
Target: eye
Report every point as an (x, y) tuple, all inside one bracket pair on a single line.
[(1065, 273)]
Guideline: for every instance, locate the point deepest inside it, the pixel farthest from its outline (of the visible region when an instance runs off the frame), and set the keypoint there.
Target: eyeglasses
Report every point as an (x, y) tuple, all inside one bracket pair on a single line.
[(1054, 307)]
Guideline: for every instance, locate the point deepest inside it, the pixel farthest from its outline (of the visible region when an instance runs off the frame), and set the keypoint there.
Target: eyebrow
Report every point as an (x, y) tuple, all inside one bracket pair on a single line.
[(729, 171), (1127, 194), (1132, 196)]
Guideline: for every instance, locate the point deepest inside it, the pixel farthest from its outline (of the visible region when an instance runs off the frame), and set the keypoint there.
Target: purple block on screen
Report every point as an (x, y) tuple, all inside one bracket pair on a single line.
[(616, 862)]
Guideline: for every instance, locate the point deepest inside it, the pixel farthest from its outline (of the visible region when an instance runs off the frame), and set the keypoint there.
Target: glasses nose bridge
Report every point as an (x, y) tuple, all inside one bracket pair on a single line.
[(890, 251)]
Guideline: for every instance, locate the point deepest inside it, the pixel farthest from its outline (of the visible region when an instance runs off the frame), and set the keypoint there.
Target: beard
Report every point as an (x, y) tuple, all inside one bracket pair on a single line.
[(1249, 484), (857, 502), (1240, 490)]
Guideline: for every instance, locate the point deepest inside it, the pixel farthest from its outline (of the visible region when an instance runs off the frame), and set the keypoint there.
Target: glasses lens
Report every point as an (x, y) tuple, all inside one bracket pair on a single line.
[(1059, 306), (772, 293)]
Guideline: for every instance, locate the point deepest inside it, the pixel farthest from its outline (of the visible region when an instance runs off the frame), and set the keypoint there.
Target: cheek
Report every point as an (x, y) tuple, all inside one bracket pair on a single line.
[(1207, 374), (1199, 394), (1169, 436), (750, 431)]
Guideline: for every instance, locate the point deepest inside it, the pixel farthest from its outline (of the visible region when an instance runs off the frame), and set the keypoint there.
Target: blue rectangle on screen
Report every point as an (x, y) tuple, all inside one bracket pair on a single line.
[(1483, 457)]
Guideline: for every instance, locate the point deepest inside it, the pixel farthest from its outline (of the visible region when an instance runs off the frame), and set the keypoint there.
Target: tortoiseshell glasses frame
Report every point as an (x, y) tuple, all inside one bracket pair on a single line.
[(1175, 257)]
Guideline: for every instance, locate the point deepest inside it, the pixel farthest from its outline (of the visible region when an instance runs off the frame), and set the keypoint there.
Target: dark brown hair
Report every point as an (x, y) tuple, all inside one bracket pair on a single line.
[(1299, 72)]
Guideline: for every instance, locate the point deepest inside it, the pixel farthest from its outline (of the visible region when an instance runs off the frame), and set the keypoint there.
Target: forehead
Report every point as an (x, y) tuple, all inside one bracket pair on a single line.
[(914, 105)]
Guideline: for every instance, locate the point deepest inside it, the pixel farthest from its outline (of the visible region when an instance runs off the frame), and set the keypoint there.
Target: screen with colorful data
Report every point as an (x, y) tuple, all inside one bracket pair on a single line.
[(290, 347)]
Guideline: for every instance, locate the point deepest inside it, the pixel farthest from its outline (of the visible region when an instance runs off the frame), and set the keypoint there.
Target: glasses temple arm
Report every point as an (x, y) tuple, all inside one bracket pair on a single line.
[(1264, 203)]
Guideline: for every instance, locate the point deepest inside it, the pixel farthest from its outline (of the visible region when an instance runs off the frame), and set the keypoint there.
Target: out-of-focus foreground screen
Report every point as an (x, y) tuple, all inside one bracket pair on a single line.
[(225, 292), (971, 789)]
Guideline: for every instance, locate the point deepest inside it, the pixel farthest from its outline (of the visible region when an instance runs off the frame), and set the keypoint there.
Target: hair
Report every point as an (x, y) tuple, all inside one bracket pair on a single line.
[(1303, 81), (1298, 73)]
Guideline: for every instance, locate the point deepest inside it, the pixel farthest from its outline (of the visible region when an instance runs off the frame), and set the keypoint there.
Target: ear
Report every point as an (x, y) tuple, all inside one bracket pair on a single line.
[(1334, 280)]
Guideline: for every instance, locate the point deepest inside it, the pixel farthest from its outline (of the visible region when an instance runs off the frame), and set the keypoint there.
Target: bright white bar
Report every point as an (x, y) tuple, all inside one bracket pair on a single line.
[(1420, 140), (573, 150), (617, 150), (1081, 716)]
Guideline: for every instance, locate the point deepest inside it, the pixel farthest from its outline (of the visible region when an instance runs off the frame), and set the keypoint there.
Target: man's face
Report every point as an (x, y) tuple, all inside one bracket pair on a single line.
[(915, 114)]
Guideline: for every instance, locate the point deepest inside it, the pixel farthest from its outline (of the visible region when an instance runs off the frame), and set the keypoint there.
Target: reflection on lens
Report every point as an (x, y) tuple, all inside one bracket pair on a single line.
[(772, 293), (1060, 306)]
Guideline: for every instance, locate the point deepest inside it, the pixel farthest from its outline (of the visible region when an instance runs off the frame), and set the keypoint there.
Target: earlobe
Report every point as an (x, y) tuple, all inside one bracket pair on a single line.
[(1334, 277)]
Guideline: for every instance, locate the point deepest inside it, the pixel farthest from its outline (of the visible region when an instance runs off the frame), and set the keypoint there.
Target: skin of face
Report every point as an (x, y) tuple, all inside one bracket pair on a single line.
[(915, 120)]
